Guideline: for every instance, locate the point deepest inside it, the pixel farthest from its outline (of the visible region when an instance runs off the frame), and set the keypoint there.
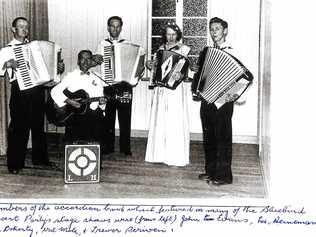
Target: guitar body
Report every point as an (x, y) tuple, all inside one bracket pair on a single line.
[(60, 115), (80, 96)]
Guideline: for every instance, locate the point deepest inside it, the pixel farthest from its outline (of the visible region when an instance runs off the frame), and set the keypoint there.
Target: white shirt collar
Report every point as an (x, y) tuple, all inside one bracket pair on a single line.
[(15, 41), (114, 40), (80, 72), (224, 45)]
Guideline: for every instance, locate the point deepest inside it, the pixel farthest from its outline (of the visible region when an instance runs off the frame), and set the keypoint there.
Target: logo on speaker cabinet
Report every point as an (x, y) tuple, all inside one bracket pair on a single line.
[(82, 161)]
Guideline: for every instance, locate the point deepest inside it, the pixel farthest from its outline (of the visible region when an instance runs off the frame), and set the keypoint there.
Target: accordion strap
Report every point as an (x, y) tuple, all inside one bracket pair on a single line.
[(111, 42)]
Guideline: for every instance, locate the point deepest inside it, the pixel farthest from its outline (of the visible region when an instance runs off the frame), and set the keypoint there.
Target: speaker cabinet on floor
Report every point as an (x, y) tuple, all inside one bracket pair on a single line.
[(82, 163)]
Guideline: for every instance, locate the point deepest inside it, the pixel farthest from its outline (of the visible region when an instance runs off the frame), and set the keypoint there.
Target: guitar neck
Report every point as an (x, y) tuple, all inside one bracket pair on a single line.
[(93, 99)]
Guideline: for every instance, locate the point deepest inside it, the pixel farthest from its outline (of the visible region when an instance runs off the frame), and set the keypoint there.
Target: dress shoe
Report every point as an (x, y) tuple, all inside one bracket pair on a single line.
[(48, 164), (107, 152), (127, 153), (221, 182), (107, 156), (14, 171), (204, 177)]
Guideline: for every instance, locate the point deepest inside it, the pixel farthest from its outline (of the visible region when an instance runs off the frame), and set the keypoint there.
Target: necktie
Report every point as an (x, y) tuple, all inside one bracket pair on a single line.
[(84, 73)]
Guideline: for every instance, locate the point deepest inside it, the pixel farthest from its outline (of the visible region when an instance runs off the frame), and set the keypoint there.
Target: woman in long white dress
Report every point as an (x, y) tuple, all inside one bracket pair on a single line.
[(169, 135)]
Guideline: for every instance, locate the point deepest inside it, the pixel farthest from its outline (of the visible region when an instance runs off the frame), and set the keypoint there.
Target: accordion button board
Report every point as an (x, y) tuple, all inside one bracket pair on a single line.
[(24, 68)]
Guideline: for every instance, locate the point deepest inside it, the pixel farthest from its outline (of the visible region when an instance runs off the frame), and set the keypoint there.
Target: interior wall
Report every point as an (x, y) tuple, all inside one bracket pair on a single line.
[(265, 89)]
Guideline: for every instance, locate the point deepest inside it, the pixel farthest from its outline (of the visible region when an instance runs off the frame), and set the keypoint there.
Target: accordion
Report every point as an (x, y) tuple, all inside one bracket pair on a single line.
[(37, 63), (221, 74), (170, 70), (122, 62)]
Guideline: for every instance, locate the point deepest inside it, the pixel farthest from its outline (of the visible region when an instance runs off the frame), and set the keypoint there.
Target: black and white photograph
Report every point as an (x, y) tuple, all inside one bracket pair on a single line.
[(164, 101), (159, 99)]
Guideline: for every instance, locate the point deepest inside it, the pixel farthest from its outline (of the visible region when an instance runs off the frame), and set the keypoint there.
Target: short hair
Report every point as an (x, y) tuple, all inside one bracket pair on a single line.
[(219, 20), (175, 28), (84, 51), (115, 18), (15, 21)]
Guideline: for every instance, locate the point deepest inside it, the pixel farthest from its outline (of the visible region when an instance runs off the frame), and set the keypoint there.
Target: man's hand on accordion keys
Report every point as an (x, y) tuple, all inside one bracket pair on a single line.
[(11, 64)]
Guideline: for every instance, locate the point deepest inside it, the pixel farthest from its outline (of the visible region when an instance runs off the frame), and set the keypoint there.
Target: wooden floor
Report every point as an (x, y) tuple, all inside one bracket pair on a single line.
[(132, 177)]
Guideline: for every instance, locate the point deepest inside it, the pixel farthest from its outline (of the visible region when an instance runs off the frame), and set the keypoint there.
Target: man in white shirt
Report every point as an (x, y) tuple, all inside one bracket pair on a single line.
[(27, 107), (124, 91), (86, 127)]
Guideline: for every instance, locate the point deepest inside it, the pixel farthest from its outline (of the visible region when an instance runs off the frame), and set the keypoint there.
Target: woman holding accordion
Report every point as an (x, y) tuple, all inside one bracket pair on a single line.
[(169, 135)]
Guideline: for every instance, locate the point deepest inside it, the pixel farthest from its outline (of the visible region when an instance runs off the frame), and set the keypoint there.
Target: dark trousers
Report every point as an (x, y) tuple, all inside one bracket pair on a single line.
[(27, 110), (124, 111), (85, 128), (217, 140)]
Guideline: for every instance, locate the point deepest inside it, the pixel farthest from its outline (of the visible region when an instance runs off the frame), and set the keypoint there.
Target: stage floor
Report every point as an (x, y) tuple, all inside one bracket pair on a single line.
[(132, 177)]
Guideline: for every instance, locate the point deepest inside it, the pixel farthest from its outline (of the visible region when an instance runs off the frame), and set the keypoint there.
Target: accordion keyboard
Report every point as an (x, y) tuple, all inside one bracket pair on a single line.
[(23, 67), (107, 59)]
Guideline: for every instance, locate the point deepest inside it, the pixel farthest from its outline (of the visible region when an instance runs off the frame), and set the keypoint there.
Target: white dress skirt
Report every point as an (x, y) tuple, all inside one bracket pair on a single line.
[(169, 134)]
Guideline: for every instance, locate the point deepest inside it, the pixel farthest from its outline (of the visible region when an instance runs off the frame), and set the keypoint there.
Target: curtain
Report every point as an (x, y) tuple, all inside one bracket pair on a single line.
[(36, 12)]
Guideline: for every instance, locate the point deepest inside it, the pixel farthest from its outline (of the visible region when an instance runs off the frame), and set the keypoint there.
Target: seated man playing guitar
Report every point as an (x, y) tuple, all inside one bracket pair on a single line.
[(79, 102)]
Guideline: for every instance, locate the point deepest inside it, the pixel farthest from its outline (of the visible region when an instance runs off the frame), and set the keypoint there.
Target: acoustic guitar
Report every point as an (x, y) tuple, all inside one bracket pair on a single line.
[(59, 115)]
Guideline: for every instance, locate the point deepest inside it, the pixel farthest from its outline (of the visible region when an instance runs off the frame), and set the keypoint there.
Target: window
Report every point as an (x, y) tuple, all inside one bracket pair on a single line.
[(190, 15)]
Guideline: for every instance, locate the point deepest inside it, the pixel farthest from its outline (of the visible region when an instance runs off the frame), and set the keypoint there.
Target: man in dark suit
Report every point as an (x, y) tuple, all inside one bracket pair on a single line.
[(27, 107), (123, 94), (217, 122)]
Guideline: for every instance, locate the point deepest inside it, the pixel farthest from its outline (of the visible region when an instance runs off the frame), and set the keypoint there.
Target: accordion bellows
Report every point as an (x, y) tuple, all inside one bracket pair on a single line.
[(122, 62), (37, 63), (221, 74)]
